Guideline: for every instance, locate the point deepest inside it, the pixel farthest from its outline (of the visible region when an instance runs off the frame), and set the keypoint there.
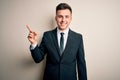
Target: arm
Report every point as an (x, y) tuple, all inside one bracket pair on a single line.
[(81, 64), (36, 52)]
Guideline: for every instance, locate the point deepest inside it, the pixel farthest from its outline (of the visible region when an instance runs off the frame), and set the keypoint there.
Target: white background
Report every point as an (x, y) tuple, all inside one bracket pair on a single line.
[(97, 20)]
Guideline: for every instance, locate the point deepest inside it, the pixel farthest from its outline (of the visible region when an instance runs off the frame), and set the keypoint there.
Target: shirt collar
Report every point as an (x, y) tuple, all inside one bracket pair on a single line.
[(65, 31)]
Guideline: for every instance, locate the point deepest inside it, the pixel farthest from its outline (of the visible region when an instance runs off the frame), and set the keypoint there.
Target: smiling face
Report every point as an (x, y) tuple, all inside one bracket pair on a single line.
[(63, 19)]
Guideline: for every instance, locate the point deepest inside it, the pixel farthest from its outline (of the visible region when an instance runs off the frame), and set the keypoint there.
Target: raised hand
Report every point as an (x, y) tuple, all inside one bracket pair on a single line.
[(32, 37)]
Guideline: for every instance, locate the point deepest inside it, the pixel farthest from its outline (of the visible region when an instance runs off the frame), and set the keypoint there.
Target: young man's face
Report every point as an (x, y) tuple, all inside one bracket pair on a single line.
[(63, 18)]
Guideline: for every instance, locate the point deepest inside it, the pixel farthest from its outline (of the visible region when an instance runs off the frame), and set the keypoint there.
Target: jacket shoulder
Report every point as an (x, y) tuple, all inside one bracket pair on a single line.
[(75, 34)]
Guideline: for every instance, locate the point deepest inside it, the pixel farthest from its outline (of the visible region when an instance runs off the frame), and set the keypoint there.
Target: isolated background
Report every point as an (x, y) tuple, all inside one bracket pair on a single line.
[(97, 20)]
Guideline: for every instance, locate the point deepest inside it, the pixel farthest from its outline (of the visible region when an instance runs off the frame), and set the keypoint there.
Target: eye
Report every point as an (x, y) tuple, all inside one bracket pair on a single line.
[(60, 16), (67, 16)]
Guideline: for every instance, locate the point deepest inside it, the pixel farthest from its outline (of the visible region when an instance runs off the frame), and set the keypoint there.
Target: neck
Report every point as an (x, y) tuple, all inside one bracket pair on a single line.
[(62, 30)]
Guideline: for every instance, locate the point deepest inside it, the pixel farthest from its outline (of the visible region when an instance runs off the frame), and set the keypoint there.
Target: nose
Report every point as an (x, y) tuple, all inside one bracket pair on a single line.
[(63, 19)]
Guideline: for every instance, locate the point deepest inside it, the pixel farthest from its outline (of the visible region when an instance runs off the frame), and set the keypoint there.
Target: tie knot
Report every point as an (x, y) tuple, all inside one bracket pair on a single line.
[(62, 33)]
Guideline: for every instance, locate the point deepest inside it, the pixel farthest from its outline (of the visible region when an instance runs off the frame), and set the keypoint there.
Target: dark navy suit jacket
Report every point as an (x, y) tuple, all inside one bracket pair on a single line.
[(61, 67)]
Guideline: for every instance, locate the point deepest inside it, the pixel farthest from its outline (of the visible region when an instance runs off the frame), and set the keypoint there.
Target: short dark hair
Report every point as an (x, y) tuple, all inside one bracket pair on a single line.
[(63, 6)]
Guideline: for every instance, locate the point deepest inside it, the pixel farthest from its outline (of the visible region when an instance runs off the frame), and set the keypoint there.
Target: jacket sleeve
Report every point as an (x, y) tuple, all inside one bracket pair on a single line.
[(81, 63), (38, 52)]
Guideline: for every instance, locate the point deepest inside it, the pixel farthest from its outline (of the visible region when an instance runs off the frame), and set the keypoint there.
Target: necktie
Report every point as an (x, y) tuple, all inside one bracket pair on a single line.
[(62, 43)]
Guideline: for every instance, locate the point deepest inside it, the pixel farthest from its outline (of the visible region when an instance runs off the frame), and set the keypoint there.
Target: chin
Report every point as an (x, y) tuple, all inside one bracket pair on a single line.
[(63, 27)]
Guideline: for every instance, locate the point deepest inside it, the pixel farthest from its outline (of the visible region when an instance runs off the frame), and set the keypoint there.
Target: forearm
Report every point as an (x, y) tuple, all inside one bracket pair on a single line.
[(37, 54)]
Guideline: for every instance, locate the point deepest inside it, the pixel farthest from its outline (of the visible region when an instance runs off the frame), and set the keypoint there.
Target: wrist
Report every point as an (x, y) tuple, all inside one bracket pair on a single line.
[(33, 46), (34, 43)]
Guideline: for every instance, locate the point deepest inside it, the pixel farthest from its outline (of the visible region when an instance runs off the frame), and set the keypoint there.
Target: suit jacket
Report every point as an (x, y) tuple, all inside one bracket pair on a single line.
[(61, 67)]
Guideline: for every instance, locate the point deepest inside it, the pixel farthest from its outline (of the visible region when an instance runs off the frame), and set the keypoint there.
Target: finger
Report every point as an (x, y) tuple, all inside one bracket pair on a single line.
[(31, 34), (35, 33), (30, 37), (28, 28)]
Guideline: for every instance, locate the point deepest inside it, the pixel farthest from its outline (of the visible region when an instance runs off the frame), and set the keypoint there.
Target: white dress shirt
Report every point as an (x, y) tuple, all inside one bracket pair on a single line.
[(65, 36)]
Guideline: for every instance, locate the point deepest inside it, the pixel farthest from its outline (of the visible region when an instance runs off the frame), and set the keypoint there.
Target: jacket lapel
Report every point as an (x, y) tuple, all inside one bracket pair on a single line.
[(55, 40)]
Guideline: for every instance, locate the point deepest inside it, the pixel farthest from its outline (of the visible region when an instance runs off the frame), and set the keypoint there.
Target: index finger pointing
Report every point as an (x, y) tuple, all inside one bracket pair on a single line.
[(28, 28)]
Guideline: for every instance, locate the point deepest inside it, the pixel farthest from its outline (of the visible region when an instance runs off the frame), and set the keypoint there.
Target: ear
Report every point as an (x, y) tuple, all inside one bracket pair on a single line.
[(71, 18), (56, 18)]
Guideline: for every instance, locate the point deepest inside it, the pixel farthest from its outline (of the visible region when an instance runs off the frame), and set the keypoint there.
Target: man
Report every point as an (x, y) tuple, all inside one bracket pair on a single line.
[(64, 48)]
